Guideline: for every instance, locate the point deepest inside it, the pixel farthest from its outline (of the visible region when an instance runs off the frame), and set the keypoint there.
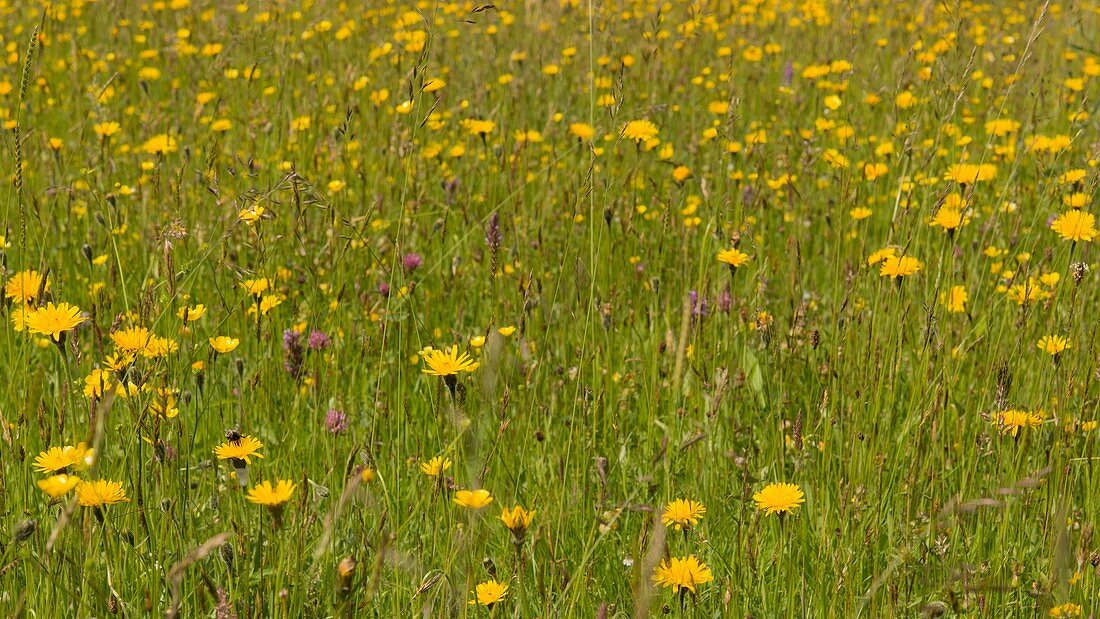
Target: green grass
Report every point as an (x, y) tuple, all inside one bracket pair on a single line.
[(613, 396)]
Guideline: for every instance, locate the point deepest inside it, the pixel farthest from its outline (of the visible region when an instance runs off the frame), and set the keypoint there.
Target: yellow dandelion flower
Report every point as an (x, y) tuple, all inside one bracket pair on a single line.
[(54, 320), (489, 592), (517, 519), (1054, 345), (899, 266), (267, 495), (682, 573), (25, 286), (448, 363), (243, 448), (100, 492), (473, 499), (1075, 225), (734, 257), (58, 485), (436, 466), (779, 498), (683, 514), (639, 131)]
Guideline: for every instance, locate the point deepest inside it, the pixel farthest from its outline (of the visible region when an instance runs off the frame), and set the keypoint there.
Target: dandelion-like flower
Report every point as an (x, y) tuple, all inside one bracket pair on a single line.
[(267, 495), (950, 219), (970, 173), (734, 258), (54, 320), (640, 130), (1075, 225), (955, 299), (489, 592), (683, 514), (243, 448), (435, 466), (899, 266), (680, 573), (57, 459), (1011, 421), (1064, 611), (58, 485), (1054, 345), (779, 498), (448, 363), (132, 339), (24, 286), (517, 519), (473, 499), (100, 492)]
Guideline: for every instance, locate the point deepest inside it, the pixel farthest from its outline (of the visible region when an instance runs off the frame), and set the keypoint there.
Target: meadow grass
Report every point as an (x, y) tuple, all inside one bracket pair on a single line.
[(344, 190)]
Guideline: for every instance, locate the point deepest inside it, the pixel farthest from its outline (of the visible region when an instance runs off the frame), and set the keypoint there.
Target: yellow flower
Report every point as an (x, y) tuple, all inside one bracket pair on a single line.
[(474, 499), (448, 363), (639, 130), (224, 344), (268, 303), (899, 266), (131, 340), (19, 317), (159, 347), (880, 255), (1053, 345), (106, 129), (506, 331), (860, 212), (159, 145), (100, 492), (58, 485), (96, 383), (61, 458), (256, 287), (435, 466), (24, 286), (582, 131), (1011, 421), (165, 404), (734, 257), (516, 519), (970, 173), (243, 448), (53, 320), (489, 592), (681, 514), (950, 219), (191, 314), (682, 573), (1001, 127), (117, 362), (779, 498), (251, 214), (478, 127), (1075, 225), (265, 494), (1068, 609), (955, 299), (834, 158)]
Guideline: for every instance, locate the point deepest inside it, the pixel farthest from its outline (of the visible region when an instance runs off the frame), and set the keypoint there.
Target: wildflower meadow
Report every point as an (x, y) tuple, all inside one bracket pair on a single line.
[(549, 308)]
